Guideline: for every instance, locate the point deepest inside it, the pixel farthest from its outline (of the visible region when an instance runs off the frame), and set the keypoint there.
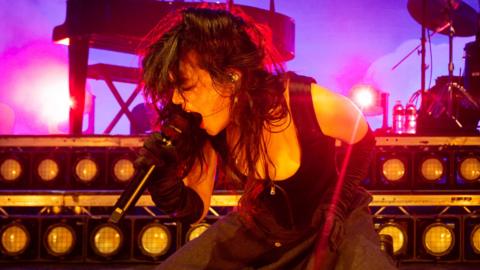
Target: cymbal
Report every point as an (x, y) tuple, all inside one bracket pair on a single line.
[(436, 16)]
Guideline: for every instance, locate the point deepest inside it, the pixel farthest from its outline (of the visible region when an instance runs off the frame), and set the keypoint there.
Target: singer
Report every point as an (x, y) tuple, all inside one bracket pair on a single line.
[(271, 132)]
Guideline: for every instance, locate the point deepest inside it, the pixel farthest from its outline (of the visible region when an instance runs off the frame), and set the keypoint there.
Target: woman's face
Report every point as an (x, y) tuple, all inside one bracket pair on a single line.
[(198, 94)]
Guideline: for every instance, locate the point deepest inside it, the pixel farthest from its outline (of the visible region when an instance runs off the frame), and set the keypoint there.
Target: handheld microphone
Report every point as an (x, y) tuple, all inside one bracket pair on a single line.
[(177, 122), (135, 188), (131, 194)]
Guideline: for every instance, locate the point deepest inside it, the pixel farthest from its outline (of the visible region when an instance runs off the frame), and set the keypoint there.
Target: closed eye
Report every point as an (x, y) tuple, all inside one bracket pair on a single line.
[(185, 88)]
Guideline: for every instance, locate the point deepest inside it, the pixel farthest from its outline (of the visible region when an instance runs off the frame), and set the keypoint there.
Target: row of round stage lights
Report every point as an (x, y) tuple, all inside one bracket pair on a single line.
[(438, 239), (154, 239), (432, 169), (393, 169), (48, 169), (59, 240)]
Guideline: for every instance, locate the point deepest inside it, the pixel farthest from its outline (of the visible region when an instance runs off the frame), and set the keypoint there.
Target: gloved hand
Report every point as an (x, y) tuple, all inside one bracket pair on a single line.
[(166, 187), (340, 199), (178, 144), (158, 150), (173, 153)]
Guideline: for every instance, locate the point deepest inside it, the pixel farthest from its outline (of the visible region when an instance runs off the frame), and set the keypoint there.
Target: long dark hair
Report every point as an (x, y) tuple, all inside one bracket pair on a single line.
[(223, 42)]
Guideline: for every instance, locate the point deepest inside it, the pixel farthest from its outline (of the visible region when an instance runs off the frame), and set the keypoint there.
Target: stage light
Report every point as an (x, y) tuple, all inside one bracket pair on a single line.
[(363, 95), (371, 102), (393, 169), (398, 235), (470, 169), (107, 240), (471, 237), (48, 169), (86, 170), (15, 239), (60, 239), (196, 230), (154, 240), (123, 170), (432, 169), (438, 239), (475, 239), (369, 99), (10, 169)]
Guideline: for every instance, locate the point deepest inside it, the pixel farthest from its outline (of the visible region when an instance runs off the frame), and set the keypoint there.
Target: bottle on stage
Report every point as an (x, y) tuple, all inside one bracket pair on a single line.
[(410, 119), (398, 118)]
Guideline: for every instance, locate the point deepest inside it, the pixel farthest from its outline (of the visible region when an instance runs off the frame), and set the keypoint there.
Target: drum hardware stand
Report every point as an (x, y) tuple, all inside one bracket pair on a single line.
[(452, 86), (423, 41)]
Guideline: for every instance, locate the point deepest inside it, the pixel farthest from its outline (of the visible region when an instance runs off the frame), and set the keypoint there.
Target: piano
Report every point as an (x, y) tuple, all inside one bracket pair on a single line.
[(120, 25)]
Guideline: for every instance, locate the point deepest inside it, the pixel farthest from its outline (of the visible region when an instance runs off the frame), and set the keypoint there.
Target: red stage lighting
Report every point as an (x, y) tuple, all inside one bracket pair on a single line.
[(371, 101), (367, 98), (364, 96)]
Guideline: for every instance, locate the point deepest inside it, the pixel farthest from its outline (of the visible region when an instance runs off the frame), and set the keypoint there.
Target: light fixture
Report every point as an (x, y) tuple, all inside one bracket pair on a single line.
[(15, 239), (438, 239), (106, 240), (154, 240), (475, 239), (471, 237), (371, 102), (393, 169), (469, 169), (59, 239), (398, 235), (196, 230), (48, 169), (10, 170), (432, 169), (123, 170), (86, 170)]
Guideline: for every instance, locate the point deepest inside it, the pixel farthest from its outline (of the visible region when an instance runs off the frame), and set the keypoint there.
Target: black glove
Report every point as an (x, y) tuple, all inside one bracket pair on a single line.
[(356, 170), (359, 160), (166, 187), (158, 150)]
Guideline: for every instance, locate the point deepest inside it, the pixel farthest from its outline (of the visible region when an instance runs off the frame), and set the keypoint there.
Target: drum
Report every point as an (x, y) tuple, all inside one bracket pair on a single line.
[(434, 117), (472, 68)]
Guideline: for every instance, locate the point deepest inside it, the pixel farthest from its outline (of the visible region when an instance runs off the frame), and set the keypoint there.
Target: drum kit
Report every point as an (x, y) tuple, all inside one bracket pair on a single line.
[(452, 106)]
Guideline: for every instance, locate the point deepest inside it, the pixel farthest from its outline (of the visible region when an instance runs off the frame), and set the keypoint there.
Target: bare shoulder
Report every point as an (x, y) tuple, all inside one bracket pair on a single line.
[(337, 116)]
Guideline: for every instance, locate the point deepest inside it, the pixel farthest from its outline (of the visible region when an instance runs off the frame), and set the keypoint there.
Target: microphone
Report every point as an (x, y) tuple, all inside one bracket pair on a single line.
[(134, 189), (130, 195), (171, 131)]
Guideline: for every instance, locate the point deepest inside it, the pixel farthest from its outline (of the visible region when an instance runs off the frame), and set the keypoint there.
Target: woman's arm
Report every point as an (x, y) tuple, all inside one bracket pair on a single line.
[(337, 116), (202, 181), (186, 199), (340, 119)]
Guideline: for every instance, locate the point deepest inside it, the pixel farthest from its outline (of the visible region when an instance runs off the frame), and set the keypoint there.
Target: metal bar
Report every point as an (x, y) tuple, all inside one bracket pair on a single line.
[(77, 77), (102, 200), (428, 141), (379, 211), (215, 213), (123, 107), (116, 73), (115, 140), (150, 212), (404, 211)]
